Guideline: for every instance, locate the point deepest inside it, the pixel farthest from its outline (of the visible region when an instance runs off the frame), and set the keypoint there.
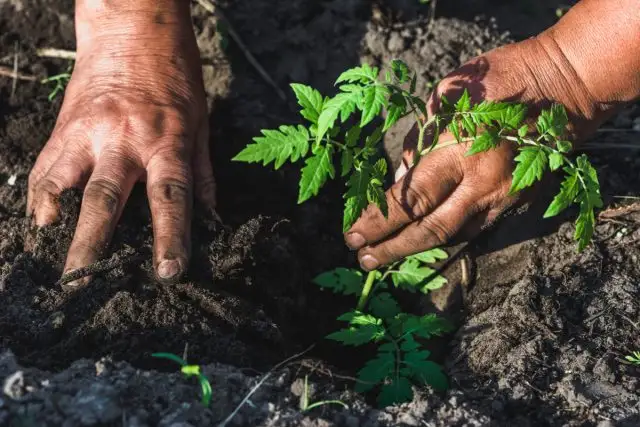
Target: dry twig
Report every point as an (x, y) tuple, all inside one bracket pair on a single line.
[(50, 52), (9, 72)]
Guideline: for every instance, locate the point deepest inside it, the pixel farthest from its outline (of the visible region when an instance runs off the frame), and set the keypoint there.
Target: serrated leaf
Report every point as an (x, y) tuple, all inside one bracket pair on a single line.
[(454, 128), (426, 326), (430, 256), (464, 102), (346, 162), (375, 370), (363, 74), (310, 100), (286, 143), (553, 121), (394, 113), (409, 343), (425, 371), (341, 280), (377, 196), (484, 142), (412, 276), (358, 335), (356, 196), (530, 165), (374, 100), (317, 170), (339, 105), (563, 146), (383, 305), (414, 82), (585, 224), (513, 115), (352, 135), (400, 70), (567, 195), (522, 132), (556, 160), (397, 391), (589, 198)]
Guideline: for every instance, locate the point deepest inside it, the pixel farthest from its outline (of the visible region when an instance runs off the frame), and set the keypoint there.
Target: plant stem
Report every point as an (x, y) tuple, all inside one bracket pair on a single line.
[(366, 290)]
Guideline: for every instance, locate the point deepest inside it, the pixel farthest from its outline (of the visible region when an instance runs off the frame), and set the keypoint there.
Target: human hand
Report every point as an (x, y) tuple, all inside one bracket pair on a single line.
[(448, 194), (134, 110)]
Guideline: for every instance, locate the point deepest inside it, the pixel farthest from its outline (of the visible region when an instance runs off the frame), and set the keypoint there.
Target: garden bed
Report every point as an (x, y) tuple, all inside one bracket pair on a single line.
[(545, 329)]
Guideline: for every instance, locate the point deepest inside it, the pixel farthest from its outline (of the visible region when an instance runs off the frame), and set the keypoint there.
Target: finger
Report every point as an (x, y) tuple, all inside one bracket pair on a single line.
[(71, 169), (169, 187), (203, 179), (45, 160), (418, 193), (102, 203), (428, 232)]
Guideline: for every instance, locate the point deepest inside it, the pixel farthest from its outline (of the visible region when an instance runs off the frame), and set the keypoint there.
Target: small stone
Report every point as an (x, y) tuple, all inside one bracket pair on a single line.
[(14, 386), (12, 180), (395, 43)]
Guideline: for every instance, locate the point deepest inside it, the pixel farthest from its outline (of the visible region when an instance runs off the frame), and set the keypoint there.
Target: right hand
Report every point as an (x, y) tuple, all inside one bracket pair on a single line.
[(134, 110), (448, 194)]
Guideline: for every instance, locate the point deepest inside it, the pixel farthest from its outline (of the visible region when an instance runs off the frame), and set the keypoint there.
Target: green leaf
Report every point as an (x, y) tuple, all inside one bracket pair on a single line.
[(568, 192), (563, 146), (375, 371), (498, 113), (425, 371), (383, 305), (585, 224), (484, 142), (341, 280), (317, 170), (400, 70), (341, 104), (414, 82), (356, 196), (412, 276), (362, 74), (522, 132), (346, 162), (170, 356), (286, 143), (430, 256), (553, 121), (310, 100), (454, 128), (377, 196), (394, 113), (352, 135), (426, 326), (556, 160), (589, 199), (363, 328), (396, 392), (464, 102), (530, 165), (374, 99)]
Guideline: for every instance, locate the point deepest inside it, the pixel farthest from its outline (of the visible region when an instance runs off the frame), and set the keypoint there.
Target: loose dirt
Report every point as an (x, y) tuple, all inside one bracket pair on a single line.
[(545, 329)]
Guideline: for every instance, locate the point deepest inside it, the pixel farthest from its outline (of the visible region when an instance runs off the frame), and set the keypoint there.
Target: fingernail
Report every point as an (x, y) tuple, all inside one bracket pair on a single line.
[(400, 172), (168, 269), (76, 284), (368, 262), (355, 241)]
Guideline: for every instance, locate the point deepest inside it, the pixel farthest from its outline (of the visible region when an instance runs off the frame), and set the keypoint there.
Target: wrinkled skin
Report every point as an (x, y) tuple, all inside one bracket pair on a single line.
[(134, 110), (447, 194)]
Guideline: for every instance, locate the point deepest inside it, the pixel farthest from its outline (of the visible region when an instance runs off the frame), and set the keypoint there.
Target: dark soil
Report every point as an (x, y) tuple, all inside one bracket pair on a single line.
[(546, 328)]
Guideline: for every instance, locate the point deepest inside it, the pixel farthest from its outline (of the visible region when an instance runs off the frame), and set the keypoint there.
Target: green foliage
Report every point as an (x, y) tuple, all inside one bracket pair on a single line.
[(61, 80), (190, 371), (343, 136), (634, 358)]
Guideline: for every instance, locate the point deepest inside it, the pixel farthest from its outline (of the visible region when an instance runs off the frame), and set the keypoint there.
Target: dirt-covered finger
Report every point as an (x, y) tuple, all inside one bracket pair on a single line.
[(203, 178), (418, 193), (433, 230), (68, 171), (103, 200), (170, 192)]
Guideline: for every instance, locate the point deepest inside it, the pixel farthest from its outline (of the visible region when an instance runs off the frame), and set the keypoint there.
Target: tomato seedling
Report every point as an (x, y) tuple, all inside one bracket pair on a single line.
[(343, 137)]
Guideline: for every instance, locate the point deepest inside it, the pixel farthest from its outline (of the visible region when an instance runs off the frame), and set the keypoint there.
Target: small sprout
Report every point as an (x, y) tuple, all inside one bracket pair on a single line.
[(190, 371), (304, 399), (61, 81), (634, 358)]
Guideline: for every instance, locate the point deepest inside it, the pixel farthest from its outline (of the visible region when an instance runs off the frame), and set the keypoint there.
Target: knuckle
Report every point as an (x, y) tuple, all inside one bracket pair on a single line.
[(103, 194), (48, 188), (418, 202), (435, 231), (174, 191)]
